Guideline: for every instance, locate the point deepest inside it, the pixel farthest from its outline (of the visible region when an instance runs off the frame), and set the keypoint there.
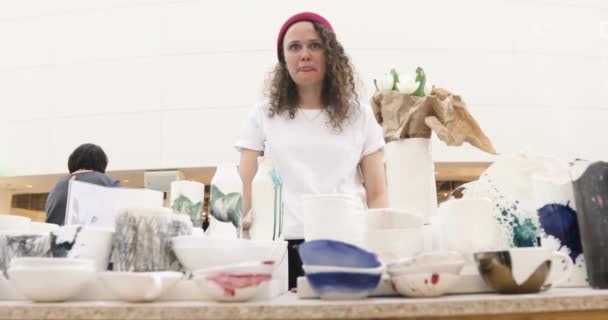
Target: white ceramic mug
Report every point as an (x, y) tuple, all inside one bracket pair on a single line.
[(468, 226), (334, 216)]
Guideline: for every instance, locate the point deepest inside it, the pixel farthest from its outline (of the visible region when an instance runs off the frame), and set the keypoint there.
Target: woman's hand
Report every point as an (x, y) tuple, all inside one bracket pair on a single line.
[(374, 180), (248, 167)]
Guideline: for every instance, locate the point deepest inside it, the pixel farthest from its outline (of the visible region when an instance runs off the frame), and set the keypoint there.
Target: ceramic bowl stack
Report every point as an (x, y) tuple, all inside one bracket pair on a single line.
[(429, 274), (393, 234), (139, 286), (235, 283), (200, 252), (50, 279), (340, 271)]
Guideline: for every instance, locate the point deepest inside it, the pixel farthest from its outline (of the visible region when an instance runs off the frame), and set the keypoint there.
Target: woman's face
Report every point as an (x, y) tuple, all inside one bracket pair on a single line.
[(304, 54)]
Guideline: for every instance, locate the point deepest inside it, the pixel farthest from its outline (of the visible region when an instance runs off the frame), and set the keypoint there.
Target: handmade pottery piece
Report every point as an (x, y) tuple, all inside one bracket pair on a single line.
[(337, 285), (188, 197), (468, 225), (336, 253), (338, 217), (142, 240), (235, 283), (523, 270), (444, 262), (266, 202), (41, 227), (429, 284), (556, 208), (50, 284), (394, 234), (508, 183), (213, 252), (411, 190), (226, 202), (74, 241), (14, 222), (36, 262), (22, 244), (140, 286), (590, 182)]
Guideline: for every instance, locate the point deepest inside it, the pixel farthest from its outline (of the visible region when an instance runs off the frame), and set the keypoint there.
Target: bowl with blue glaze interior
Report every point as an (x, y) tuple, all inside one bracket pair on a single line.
[(336, 285), (336, 253)]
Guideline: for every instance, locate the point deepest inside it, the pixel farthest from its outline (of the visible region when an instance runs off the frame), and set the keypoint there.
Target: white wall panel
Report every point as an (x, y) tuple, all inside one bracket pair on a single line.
[(173, 79), (201, 138), (131, 140)]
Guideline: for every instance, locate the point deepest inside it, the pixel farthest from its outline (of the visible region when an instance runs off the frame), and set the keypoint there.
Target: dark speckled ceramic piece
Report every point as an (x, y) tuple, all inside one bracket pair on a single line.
[(591, 196)]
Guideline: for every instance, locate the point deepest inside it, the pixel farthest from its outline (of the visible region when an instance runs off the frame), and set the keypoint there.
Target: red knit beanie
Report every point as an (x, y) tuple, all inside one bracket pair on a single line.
[(302, 16)]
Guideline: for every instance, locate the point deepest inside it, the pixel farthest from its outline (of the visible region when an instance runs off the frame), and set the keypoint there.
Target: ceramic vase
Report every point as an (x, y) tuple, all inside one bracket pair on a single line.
[(226, 202), (266, 202), (590, 182), (188, 197), (410, 174), (142, 239)]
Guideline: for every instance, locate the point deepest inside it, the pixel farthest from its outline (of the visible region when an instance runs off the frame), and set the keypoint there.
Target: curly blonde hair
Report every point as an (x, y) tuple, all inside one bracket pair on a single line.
[(339, 88)]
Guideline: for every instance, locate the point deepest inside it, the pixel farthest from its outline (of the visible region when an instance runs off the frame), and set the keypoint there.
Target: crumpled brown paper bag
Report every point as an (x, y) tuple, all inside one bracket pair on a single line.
[(404, 116)]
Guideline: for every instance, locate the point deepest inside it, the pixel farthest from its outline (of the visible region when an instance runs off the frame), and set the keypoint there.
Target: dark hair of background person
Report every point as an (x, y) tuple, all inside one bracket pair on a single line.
[(88, 156)]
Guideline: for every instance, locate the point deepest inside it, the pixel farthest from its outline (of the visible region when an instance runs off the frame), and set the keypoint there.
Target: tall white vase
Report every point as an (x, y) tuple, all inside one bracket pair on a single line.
[(225, 203), (188, 197), (267, 202), (410, 174)]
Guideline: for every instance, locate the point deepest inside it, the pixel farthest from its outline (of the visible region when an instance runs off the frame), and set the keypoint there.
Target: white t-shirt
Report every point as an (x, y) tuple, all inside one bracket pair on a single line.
[(310, 155)]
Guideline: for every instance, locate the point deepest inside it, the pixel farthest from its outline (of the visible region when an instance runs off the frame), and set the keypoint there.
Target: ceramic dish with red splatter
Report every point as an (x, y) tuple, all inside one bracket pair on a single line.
[(235, 283), (424, 284)]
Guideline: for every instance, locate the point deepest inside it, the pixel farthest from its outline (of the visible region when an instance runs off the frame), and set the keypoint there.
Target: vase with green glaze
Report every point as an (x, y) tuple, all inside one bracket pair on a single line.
[(187, 197), (225, 218), (266, 202)]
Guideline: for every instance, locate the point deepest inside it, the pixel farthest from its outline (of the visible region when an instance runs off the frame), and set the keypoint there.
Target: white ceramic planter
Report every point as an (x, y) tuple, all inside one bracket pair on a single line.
[(410, 174)]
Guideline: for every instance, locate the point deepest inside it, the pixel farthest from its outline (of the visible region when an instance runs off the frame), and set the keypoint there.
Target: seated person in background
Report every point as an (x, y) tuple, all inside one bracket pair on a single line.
[(88, 164)]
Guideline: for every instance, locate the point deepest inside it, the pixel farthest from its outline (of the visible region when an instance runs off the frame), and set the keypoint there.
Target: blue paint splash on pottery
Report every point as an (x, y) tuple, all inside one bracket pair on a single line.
[(560, 221)]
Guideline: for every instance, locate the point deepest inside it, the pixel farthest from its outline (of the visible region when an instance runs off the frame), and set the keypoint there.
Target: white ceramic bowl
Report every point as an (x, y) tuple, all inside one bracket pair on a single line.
[(139, 286), (91, 243), (50, 284), (235, 283), (389, 218), (42, 227), (14, 222), (197, 240), (394, 244), (338, 217), (317, 269), (223, 252), (44, 262), (424, 284), (445, 262)]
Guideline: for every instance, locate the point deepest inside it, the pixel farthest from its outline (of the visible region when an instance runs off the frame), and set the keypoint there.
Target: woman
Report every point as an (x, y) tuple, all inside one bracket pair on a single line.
[(87, 163), (321, 139)]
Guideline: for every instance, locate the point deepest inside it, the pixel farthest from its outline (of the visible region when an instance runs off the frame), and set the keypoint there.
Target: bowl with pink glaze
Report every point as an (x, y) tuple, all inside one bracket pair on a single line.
[(235, 283)]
